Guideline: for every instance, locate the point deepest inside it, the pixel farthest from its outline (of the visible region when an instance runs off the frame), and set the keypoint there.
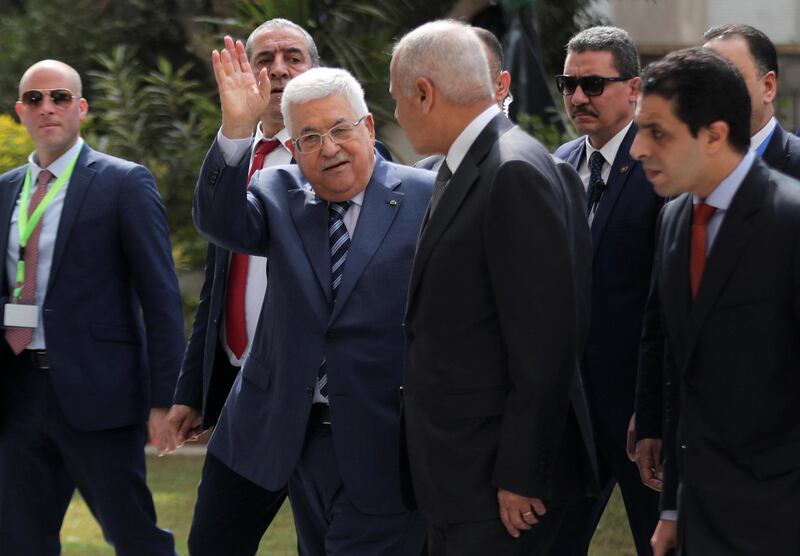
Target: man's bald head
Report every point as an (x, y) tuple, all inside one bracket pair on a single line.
[(72, 76)]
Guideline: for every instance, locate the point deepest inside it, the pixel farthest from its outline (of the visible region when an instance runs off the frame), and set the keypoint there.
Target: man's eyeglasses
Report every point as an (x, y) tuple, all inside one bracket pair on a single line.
[(340, 133), (591, 85), (34, 97)]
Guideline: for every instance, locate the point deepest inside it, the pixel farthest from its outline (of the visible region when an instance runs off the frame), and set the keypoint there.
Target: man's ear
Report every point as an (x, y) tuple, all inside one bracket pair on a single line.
[(633, 94), (502, 85), (716, 136), (769, 86), (425, 94)]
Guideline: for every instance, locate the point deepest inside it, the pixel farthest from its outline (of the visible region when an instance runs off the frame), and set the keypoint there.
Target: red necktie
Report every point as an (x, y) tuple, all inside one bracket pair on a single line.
[(19, 338), (697, 261), (235, 324)]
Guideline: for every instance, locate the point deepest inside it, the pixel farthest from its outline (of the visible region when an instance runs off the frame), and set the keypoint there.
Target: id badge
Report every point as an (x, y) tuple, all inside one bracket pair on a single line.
[(21, 316)]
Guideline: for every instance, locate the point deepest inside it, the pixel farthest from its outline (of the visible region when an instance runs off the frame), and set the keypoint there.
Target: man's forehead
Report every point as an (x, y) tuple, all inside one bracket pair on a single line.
[(274, 40)]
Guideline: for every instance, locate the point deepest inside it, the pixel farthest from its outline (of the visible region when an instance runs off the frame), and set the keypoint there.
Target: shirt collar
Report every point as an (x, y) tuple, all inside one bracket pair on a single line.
[(763, 135), (59, 165), (282, 136), (609, 150), (723, 194), (458, 150)]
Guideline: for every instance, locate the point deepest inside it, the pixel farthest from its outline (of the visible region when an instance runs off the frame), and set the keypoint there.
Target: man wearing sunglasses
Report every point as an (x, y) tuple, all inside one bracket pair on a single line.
[(600, 86), (93, 330), (317, 401)]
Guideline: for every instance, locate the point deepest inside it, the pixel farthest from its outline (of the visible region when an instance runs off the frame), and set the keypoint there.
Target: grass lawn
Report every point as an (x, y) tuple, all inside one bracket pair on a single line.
[(173, 481)]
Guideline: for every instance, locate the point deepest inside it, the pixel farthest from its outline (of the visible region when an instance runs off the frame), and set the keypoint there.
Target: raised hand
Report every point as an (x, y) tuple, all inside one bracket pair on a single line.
[(243, 96)]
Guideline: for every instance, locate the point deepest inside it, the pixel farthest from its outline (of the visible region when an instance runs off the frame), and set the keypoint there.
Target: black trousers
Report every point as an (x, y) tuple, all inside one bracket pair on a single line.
[(490, 538), (231, 513), (43, 458)]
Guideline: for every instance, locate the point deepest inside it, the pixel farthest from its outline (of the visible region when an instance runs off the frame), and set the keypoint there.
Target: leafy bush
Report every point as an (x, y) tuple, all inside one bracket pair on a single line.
[(17, 145), (163, 119)]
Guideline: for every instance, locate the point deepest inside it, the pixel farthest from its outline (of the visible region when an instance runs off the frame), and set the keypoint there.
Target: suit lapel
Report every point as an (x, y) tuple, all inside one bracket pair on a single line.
[(460, 185), (380, 207), (310, 216), (617, 179), (10, 192), (736, 230), (79, 184)]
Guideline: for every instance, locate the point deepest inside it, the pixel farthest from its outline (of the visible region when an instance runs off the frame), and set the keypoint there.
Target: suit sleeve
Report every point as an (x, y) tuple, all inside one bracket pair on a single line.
[(189, 390), (667, 386), (145, 243), (224, 213), (530, 268), (649, 390)]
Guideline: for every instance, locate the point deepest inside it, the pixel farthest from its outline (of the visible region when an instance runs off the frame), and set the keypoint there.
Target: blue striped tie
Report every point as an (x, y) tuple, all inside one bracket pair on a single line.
[(340, 244)]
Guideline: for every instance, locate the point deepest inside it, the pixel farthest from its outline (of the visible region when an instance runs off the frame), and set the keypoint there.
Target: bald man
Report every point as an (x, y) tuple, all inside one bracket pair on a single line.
[(93, 330)]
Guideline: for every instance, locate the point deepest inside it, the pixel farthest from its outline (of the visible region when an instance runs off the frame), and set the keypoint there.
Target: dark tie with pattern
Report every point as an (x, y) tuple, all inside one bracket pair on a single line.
[(340, 245), (697, 261), (19, 338), (235, 321), (442, 179), (596, 183)]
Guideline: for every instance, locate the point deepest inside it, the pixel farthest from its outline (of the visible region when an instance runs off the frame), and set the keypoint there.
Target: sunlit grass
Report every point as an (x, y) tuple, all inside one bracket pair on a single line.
[(174, 479)]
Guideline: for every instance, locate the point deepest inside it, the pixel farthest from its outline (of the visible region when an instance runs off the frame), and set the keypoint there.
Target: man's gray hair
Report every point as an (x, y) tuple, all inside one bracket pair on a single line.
[(450, 55), (613, 39), (280, 23), (319, 83)]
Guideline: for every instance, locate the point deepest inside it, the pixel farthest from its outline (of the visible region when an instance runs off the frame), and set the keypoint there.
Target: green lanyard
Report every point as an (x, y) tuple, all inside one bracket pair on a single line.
[(28, 224)]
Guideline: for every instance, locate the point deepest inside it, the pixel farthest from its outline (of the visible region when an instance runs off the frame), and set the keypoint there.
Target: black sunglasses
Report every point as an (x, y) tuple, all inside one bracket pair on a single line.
[(60, 97), (591, 85)]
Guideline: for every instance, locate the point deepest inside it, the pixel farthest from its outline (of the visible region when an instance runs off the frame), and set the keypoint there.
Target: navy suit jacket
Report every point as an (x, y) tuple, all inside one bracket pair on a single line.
[(623, 233), (206, 374), (262, 428), (783, 152), (112, 313)]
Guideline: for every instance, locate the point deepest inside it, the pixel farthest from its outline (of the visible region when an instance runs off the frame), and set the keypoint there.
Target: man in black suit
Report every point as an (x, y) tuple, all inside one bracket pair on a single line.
[(230, 304), (496, 424), (754, 56), (600, 85), (727, 282)]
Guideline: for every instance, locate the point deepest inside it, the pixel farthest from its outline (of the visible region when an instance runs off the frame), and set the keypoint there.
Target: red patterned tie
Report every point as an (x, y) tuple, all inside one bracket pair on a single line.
[(19, 338), (697, 261), (235, 324)]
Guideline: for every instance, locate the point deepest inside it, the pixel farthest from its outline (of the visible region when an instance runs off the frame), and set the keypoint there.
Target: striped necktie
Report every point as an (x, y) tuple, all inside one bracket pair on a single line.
[(19, 338)]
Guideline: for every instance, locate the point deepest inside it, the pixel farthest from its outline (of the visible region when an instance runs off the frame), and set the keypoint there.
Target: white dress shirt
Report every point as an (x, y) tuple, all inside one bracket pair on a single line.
[(609, 153), (232, 152), (47, 236)]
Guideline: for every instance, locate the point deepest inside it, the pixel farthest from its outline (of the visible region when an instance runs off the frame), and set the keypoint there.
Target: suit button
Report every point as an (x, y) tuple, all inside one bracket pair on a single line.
[(310, 390)]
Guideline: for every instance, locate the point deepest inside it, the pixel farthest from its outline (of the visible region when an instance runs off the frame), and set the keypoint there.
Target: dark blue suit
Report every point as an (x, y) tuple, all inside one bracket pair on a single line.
[(623, 243), (114, 334), (261, 432), (783, 152)]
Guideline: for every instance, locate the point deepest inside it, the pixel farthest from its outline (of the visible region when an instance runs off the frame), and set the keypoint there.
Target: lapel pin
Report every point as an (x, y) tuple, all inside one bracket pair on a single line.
[(392, 203), (624, 168)]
